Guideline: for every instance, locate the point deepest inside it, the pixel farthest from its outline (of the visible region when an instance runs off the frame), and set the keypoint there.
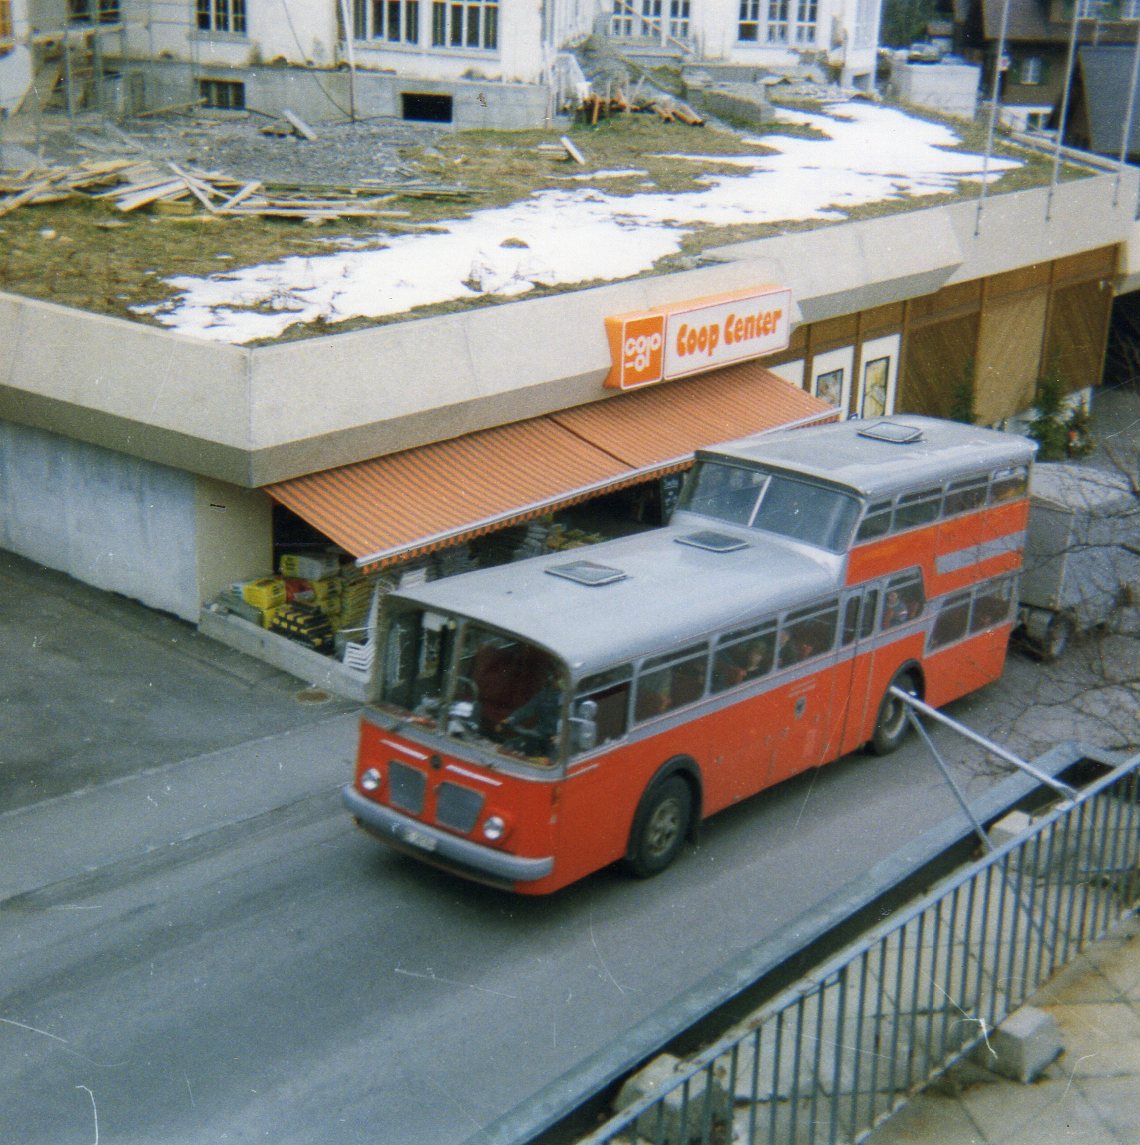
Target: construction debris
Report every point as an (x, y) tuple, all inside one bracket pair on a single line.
[(130, 185), (593, 107)]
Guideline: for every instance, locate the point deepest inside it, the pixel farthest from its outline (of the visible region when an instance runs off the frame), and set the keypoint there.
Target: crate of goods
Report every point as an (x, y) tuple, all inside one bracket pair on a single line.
[(309, 566), (231, 601), (266, 592), (305, 625)]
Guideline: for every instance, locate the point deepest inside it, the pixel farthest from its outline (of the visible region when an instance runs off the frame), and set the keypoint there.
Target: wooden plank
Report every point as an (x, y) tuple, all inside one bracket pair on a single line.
[(175, 189), (31, 192), (241, 196), (298, 124), (572, 151)]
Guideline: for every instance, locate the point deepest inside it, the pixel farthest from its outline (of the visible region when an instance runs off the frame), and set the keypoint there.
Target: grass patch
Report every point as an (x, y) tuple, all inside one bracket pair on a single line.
[(88, 255)]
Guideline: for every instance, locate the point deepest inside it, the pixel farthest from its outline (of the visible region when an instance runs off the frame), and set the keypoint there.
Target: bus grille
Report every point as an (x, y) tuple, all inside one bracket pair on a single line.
[(406, 786), (457, 807)]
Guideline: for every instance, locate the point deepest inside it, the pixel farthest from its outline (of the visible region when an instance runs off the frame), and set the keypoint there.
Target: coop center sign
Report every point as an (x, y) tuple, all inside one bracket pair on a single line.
[(690, 337)]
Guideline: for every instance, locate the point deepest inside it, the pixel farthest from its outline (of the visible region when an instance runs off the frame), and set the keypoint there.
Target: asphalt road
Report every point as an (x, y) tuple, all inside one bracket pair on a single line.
[(197, 946)]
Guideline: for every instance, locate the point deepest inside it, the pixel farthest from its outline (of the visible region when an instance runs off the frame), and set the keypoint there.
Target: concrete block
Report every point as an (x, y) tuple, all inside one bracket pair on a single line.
[(682, 1117), (1024, 1044), (1010, 827)]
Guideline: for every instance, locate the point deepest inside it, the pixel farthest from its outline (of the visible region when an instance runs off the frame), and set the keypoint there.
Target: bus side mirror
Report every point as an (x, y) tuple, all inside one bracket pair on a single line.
[(584, 725)]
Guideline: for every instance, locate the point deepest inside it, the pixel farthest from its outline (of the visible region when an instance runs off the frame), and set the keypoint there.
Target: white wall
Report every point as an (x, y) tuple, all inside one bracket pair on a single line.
[(16, 63), (112, 521)]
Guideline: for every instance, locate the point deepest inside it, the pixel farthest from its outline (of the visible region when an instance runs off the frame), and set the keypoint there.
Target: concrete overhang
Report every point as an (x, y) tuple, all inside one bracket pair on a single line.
[(253, 416)]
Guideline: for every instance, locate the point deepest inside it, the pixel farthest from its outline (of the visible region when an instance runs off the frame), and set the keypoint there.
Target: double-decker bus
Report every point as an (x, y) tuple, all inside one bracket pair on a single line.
[(538, 721)]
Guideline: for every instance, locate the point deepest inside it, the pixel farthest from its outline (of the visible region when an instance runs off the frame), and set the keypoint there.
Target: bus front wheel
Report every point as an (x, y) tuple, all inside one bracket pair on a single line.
[(892, 725), (660, 826)]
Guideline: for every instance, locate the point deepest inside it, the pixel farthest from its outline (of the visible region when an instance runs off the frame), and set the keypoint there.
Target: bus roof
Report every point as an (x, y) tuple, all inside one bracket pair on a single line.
[(670, 590), (843, 453)]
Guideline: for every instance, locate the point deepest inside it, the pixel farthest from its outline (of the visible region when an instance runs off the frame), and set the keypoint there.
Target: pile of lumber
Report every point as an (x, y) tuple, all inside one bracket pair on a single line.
[(593, 107), (130, 185)]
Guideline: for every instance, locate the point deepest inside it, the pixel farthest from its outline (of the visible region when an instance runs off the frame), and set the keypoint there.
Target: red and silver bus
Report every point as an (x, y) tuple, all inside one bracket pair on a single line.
[(540, 720)]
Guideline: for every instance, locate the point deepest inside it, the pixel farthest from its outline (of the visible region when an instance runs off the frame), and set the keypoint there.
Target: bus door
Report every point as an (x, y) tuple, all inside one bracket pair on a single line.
[(854, 672), (806, 700)]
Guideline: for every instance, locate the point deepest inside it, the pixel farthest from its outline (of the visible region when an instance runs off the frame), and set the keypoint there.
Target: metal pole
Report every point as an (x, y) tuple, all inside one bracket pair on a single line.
[(995, 96), (1126, 135), (1062, 119), (1057, 785)]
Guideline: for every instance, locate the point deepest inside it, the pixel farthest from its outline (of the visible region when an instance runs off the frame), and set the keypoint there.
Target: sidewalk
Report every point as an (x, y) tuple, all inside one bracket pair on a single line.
[(1089, 1096)]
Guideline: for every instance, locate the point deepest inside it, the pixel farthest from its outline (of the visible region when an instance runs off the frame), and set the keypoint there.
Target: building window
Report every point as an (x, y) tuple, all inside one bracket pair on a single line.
[(465, 24), (396, 21), (222, 16), (229, 94), (778, 21), (93, 12), (807, 14), (1031, 71), (748, 26), (679, 19)]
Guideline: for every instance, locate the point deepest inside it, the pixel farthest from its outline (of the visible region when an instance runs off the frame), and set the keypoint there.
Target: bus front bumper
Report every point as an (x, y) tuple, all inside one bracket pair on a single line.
[(441, 848)]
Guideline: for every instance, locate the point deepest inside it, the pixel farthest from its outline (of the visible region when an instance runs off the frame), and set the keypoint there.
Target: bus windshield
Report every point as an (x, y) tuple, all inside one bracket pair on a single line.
[(773, 502), (475, 684)]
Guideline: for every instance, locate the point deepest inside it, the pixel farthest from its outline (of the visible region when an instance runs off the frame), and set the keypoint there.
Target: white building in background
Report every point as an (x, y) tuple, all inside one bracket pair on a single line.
[(470, 63), (15, 53), (770, 34)]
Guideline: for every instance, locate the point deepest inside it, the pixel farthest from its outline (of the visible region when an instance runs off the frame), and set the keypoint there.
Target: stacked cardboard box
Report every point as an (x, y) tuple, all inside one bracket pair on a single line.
[(306, 625)]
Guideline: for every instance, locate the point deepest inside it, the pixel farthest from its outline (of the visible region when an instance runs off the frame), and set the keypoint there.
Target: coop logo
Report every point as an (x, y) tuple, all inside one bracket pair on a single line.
[(656, 345), (642, 350)]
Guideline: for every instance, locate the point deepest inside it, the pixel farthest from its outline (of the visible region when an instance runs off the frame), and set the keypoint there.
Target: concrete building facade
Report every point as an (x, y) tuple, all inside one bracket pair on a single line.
[(155, 465), (468, 63)]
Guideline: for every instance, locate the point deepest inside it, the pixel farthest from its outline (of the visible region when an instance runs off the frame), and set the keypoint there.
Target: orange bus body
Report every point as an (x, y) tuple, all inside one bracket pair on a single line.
[(560, 823)]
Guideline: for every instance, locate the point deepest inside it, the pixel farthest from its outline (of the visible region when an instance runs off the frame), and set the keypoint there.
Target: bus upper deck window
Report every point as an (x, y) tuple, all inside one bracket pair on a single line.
[(725, 492), (919, 508), (876, 523), (1009, 483), (964, 494)]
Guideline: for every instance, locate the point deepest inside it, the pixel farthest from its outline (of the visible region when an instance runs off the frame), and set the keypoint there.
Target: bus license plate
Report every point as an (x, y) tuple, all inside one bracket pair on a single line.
[(416, 838)]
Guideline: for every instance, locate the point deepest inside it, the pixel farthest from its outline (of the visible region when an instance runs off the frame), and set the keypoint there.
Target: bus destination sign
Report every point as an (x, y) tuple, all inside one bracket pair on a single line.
[(687, 338)]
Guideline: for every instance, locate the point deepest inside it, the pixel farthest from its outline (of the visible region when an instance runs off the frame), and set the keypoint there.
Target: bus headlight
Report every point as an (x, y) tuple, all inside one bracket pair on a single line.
[(370, 779), (494, 828)]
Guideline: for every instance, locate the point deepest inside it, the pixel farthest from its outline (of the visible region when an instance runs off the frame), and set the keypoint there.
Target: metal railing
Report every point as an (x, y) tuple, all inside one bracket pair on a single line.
[(831, 1057)]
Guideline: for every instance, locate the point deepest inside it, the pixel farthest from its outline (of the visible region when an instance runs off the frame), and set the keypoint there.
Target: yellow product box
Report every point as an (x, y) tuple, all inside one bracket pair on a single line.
[(267, 615), (309, 567), (267, 592)]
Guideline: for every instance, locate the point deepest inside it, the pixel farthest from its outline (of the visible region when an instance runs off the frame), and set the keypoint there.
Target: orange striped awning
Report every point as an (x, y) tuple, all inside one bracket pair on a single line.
[(407, 503)]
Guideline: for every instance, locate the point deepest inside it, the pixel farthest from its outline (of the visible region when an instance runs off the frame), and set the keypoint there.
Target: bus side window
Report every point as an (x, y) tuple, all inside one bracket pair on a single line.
[(870, 607), (919, 508), (808, 632), (905, 599), (992, 604), (610, 691), (964, 494), (1009, 483), (743, 655), (876, 522), (850, 621), (668, 681), (952, 619)]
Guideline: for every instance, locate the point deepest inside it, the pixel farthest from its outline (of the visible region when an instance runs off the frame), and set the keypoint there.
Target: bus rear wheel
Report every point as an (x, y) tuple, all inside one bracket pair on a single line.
[(660, 826), (892, 725)]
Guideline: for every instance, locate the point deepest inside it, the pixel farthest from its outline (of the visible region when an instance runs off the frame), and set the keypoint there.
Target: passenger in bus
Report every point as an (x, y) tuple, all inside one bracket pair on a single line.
[(895, 610), (536, 721), (746, 662)]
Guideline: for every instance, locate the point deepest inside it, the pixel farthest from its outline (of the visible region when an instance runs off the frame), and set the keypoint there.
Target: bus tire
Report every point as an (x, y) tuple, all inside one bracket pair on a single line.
[(660, 826), (1057, 636), (891, 724)]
